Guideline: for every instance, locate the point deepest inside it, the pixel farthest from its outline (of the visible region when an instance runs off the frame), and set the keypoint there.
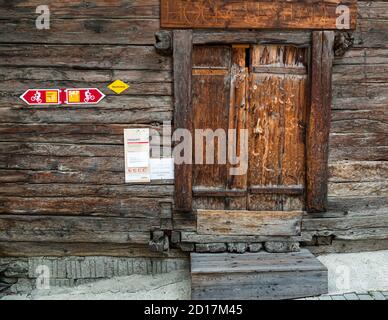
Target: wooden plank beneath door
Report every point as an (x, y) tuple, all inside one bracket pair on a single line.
[(183, 113), (259, 223), (318, 129)]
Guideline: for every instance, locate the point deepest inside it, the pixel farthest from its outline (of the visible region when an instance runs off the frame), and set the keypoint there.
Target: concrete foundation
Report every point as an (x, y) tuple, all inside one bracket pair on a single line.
[(21, 276)]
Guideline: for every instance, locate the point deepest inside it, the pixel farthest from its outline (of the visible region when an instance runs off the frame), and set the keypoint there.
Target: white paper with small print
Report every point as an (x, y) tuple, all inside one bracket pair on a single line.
[(137, 155)]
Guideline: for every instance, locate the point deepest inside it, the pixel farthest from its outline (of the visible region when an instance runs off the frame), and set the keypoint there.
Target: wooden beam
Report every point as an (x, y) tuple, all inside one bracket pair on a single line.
[(182, 53), (254, 14), (319, 121), (288, 190), (276, 70), (193, 237), (49, 229), (299, 38), (259, 223), (209, 192), (66, 249)]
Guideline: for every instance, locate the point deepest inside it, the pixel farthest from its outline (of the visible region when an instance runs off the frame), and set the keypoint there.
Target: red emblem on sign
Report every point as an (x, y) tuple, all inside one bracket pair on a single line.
[(83, 96), (41, 97)]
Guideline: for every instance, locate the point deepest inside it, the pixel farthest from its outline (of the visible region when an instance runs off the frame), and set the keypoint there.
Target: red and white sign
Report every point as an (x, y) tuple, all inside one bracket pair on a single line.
[(137, 155), (42, 97), (83, 96), (76, 96)]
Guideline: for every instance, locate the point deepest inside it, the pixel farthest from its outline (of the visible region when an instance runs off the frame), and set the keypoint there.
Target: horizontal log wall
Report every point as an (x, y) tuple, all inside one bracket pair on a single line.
[(358, 187), (62, 188)]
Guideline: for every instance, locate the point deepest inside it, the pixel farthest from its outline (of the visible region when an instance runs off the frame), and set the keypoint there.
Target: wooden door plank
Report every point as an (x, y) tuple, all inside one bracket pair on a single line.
[(319, 121), (183, 113), (265, 129), (210, 107), (278, 106), (238, 121), (249, 14), (260, 223), (294, 143)]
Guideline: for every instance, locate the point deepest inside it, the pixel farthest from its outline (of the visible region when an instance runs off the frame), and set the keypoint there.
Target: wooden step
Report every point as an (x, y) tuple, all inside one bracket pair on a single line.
[(257, 276)]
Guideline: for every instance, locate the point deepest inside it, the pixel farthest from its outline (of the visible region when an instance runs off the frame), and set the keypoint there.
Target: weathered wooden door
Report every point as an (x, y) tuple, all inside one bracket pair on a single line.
[(277, 113), (263, 89)]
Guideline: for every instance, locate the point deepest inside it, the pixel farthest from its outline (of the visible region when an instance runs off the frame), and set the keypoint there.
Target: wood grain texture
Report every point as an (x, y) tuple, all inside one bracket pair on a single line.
[(77, 205), (182, 51), (270, 223), (259, 276), (319, 121), (238, 121), (294, 37), (55, 188), (96, 44), (210, 98), (78, 56), (66, 249), (253, 14), (76, 133), (92, 30), (22, 228), (101, 8), (193, 237), (278, 103)]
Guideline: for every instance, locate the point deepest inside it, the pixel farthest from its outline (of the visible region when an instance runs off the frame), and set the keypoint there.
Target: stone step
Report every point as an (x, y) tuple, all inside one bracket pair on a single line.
[(257, 276)]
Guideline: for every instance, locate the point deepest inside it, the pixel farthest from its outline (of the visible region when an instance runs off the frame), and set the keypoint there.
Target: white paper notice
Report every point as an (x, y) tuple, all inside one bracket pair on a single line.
[(137, 155), (162, 169)]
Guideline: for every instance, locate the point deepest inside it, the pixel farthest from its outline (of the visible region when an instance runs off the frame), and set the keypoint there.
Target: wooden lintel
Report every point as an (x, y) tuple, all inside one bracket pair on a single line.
[(297, 38), (256, 14)]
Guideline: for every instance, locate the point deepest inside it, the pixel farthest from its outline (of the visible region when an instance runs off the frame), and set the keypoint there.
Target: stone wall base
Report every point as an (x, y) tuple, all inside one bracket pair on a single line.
[(21, 275)]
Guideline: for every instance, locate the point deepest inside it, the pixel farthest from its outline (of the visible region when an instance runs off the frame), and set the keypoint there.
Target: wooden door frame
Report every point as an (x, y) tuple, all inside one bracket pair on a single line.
[(318, 124)]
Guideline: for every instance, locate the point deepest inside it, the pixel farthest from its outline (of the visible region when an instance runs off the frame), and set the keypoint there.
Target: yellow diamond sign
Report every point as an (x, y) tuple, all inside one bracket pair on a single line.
[(118, 86)]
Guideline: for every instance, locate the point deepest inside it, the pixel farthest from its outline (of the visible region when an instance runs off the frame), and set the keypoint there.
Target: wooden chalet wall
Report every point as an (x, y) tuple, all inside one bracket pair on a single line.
[(358, 188), (62, 188)]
